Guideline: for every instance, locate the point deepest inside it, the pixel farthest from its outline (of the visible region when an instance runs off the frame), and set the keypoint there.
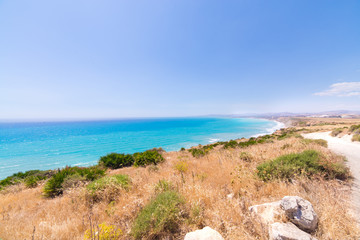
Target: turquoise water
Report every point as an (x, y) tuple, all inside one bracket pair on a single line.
[(49, 145)]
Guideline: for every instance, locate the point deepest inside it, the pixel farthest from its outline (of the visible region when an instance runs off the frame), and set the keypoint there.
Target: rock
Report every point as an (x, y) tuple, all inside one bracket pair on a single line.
[(268, 213), (300, 212), (287, 231), (206, 233), (230, 196)]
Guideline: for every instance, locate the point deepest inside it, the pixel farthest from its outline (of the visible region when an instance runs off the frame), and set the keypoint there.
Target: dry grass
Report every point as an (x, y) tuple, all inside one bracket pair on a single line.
[(205, 183)]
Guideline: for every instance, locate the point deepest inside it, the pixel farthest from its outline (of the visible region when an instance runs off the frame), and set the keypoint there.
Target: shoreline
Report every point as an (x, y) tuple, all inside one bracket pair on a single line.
[(206, 141)]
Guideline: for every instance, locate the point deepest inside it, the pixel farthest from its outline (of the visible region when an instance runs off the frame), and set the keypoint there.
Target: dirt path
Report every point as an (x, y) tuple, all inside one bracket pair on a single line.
[(351, 150)]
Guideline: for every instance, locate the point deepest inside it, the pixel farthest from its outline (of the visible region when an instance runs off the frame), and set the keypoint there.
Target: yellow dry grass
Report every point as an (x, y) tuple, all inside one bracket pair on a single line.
[(220, 185)]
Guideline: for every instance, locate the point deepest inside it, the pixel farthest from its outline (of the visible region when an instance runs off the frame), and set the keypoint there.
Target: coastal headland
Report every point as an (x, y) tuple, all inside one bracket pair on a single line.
[(164, 195)]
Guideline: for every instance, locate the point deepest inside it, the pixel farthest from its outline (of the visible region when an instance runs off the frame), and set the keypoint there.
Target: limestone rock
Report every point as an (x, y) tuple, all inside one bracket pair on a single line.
[(287, 231), (300, 212), (206, 233), (268, 213)]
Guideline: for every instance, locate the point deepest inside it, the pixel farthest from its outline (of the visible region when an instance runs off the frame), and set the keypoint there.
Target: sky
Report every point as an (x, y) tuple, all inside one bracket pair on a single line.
[(113, 59)]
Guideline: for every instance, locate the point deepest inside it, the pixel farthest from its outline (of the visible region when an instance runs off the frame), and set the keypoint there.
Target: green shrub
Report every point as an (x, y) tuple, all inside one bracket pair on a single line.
[(196, 152), (30, 178), (117, 160), (356, 137), (307, 163), (54, 186), (162, 215), (320, 142), (336, 132), (31, 182), (231, 144), (355, 129), (107, 188), (147, 157)]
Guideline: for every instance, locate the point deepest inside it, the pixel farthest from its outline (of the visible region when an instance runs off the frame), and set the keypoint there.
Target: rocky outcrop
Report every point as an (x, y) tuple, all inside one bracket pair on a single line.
[(293, 208), (287, 231), (206, 233), (267, 213), (300, 212)]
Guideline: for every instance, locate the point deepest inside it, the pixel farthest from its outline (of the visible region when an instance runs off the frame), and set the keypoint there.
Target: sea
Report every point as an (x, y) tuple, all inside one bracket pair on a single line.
[(51, 145)]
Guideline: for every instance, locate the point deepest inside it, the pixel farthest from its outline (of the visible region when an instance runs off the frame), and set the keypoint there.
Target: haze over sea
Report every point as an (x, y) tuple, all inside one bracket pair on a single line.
[(50, 145)]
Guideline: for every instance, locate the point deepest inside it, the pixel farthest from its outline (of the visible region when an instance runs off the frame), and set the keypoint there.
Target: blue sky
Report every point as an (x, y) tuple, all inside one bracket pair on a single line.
[(109, 59)]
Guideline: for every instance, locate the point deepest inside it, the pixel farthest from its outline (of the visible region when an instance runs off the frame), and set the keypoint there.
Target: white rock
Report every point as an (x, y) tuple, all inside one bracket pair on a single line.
[(206, 233), (230, 196), (300, 212), (267, 213), (287, 231)]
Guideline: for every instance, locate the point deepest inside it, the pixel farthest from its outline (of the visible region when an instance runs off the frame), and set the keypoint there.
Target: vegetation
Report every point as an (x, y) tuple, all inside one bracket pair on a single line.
[(120, 160), (103, 232), (161, 216), (117, 160), (147, 157), (163, 186), (289, 132), (246, 157), (356, 137), (355, 129), (336, 132), (54, 186), (219, 191), (307, 163), (201, 150), (108, 187), (320, 142), (30, 178)]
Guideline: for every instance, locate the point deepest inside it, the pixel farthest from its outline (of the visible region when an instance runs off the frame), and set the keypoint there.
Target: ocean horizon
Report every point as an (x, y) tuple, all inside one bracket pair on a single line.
[(50, 145)]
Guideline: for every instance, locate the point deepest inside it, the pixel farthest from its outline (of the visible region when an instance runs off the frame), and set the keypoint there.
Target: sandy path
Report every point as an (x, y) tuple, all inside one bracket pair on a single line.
[(351, 150)]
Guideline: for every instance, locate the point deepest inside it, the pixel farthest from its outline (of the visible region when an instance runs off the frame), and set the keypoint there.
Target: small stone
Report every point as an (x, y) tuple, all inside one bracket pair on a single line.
[(230, 196), (206, 233)]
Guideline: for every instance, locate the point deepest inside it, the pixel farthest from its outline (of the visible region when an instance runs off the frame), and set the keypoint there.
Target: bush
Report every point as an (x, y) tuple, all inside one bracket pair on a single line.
[(196, 152), (355, 129), (231, 144), (356, 137), (103, 232), (246, 157), (147, 157), (120, 160), (307, 163), (162, 215), (30, 178), (117, 160), (289, 132), (108, 187), (54, 186), (31, 182), (320, 142), (74, 180), (336, 132)]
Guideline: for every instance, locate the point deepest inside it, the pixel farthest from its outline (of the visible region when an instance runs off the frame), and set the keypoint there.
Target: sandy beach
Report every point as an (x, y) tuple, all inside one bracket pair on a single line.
[(351, 150)]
